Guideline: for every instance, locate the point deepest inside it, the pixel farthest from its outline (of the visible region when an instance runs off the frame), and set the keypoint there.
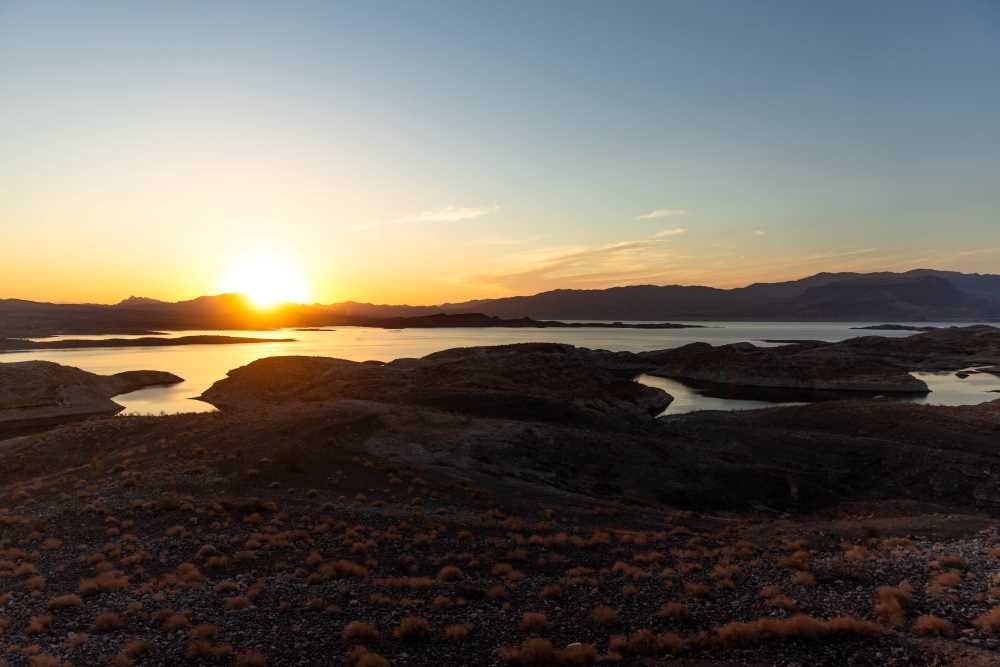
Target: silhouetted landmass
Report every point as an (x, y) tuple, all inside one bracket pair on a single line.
[(914, 296), (893, 327), (868, 363), (15, 344), (920, 295), (34, 393), (479, 320)]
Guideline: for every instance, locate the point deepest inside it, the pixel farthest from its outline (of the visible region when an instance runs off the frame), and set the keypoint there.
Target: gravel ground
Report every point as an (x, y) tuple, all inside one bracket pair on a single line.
[(210, 555)]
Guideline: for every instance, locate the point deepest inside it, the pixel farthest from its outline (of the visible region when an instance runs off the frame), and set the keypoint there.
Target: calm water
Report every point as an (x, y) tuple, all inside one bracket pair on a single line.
[(201, 365)]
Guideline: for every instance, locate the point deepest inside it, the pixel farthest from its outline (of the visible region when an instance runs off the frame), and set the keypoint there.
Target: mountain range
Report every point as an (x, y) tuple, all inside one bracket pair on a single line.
[(921, 295)]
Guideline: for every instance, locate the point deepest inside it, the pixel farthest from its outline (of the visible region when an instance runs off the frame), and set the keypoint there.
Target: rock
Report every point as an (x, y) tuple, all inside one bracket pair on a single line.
[(531, 381), (36, 392), (805, 366), (863, 364)]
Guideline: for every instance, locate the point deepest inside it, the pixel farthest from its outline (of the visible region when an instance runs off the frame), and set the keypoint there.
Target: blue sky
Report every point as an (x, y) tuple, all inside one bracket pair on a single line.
[(435, 151)]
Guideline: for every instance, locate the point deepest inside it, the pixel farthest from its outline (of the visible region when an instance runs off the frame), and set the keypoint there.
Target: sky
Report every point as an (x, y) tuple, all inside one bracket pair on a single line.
[(422, 152)]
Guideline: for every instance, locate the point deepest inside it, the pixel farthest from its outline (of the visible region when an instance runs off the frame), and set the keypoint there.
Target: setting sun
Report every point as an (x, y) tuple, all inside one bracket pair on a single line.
[(265, 279)]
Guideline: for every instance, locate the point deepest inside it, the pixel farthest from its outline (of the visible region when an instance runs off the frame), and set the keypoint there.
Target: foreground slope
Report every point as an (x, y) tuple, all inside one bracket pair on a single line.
[(333, 513)]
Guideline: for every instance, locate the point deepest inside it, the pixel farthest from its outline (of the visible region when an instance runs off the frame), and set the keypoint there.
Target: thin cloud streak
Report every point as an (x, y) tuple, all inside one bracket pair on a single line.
[(661, 213), (616, 263), (664, 233), (448, 214)]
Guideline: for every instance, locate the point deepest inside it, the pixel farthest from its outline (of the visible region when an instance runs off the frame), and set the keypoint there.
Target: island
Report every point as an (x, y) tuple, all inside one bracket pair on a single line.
[(23, 344), (40, 393)]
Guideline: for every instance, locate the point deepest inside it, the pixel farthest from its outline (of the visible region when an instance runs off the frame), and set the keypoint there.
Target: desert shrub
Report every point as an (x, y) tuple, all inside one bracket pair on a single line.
[(782, 602), (38, 624), (359, 656), (939, 583), (112, 580), (641, 642), (530, 653), (137, 647), (457, 631), (226, 586), (64, 601), (799, 626), (696, 589), (550, 592), (173, 622), (107, 621), (898, 543), (855, 553), (532, 621), (237, 602), (578, 654), (953, 561), (450, 573), (988, 622), (413, 628), (359, 631), (798, 559), (928, 625), (673, 610), (802, 578), (724, 571), (343, 568), (669, 642), (412, 583), (204, 631), (629, 570), (604, 615)]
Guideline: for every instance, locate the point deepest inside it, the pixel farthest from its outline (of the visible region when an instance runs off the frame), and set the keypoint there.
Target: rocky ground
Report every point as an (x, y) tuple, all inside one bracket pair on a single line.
[(529, 513), (40, 393)]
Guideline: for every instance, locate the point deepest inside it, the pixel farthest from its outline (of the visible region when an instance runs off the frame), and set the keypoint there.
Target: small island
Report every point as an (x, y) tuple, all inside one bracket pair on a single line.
[(894, 327), (23, 344)]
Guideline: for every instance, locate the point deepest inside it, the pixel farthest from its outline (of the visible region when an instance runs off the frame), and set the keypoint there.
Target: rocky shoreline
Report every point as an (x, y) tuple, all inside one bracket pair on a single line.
[(869, 364), (40, 393)]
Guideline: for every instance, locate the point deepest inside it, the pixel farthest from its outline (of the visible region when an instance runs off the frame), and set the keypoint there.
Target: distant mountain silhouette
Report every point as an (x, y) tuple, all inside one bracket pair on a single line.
[(922, 295), (919, 295)]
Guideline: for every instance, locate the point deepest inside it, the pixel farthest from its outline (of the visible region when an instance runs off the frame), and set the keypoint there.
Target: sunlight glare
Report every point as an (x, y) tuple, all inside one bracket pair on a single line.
[(266, 279)]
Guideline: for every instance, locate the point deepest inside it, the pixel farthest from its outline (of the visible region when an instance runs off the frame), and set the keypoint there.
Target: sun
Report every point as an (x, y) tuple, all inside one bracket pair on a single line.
[(266, 279)]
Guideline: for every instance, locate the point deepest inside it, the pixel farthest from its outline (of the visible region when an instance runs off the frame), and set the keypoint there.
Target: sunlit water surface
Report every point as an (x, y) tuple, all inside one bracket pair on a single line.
[(201, 365)]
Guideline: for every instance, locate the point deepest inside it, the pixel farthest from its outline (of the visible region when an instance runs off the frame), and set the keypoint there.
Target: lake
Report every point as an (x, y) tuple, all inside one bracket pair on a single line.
[(201, 365)]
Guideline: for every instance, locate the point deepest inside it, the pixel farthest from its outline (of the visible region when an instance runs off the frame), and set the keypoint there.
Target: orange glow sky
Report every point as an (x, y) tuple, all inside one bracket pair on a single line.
[(426, 154)]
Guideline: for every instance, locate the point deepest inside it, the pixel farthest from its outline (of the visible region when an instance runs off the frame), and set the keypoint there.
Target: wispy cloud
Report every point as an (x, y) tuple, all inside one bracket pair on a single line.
[(664, 233), (661, 213), (448, 214), (977, 251), (759, 232), (583, 267)]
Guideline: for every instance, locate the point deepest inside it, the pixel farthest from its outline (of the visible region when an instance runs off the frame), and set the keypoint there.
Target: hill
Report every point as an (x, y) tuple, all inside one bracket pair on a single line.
[(916, 296)]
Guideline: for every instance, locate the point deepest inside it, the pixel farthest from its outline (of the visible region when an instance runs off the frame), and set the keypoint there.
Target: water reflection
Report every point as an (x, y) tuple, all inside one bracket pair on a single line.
[(946, 389), (201, 365)]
